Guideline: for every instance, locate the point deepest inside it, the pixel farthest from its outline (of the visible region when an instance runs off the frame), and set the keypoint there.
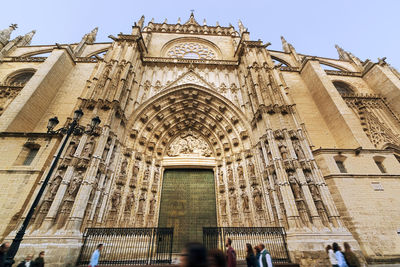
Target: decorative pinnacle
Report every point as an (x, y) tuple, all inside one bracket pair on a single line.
[(204, 22)]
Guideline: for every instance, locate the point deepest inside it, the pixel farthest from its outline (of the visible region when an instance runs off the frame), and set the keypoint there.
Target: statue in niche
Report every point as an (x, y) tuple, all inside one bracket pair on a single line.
[(54, 185), (129, 201), (189, 143), (301, 206), (116, 199), (294, 184), (283, 150), (146, 173), (74, 184), (257, 196), (313, 188), (299, 151), (123, 166), (135, 170), (252, 169), (106, 149), (245, 202), (240, 171), (223, 206), (221, 176), (230, 174), (88, 148), (142, 199), (233, 201), (152, 204)]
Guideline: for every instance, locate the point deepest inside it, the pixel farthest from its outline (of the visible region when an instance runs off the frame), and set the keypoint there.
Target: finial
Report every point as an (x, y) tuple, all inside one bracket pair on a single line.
[(342, 53), (285, 45), (242, 29), (165, 21), (217, 24), (191, 12), (152, 20), (141, 22), (28, 38), (204, 22), (179, 20)]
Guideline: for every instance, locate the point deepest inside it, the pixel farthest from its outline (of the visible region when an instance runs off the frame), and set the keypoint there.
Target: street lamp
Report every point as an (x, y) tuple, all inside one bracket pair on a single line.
[(72, 127)]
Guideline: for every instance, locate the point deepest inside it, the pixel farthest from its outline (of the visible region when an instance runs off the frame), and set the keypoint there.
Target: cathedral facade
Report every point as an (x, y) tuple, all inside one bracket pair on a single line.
[(200, 117)]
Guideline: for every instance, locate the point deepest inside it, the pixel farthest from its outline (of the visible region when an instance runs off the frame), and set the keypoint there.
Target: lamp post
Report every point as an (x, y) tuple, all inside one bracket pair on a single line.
[(73, 127)]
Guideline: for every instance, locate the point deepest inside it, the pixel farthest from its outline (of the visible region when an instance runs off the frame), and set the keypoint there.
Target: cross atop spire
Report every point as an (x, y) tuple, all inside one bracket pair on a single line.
[(192, 20)]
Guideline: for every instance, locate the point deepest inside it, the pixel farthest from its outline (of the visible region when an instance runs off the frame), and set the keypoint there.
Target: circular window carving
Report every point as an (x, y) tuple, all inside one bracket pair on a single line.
[(191, 50)]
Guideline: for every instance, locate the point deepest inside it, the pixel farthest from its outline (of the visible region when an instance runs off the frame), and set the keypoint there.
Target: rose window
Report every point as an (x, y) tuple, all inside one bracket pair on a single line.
[(191, 51)]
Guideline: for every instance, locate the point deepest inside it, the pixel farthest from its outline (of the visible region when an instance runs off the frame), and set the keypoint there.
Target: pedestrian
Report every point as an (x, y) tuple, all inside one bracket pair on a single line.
[(230, 253), (194, 255), (332, 256), (258, 254), (265, 258), (39, 261), (3, 252), (350, 257), (216, 258), (339, 255), (250, 257), (94, 260), (27, 262)]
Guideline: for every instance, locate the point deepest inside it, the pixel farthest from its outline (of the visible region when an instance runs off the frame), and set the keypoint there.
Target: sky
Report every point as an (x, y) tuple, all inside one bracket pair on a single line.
[(367, 28)]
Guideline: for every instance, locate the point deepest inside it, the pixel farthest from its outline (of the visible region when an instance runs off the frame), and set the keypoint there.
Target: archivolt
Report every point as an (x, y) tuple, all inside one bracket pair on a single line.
[(156, 123)]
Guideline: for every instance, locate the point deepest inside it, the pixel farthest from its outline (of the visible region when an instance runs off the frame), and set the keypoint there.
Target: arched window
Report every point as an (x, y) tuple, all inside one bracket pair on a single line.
[(21, 78), (343, 88)]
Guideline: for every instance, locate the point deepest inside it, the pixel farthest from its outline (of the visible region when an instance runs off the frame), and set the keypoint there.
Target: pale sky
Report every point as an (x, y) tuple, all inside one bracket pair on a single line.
[(367, 28)]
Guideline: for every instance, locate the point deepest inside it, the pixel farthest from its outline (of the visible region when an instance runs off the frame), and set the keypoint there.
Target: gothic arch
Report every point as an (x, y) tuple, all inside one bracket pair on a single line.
[(160, 119), (97, 52), (343, 88)]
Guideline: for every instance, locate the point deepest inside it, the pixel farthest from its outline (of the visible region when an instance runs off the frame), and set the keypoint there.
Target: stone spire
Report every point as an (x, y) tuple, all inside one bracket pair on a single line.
[(26, 40), (342, 53), (88, 38), (140, 22), (6, 34), (192, 20), (285, 45), (242, 29)]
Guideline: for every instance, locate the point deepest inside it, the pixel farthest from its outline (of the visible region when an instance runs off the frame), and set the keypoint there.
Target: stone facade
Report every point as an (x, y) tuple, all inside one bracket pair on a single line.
[(291, 144)]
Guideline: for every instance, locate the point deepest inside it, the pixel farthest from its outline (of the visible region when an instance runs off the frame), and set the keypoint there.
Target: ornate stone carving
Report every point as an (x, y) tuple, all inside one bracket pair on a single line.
[(88, 148), (146, 174), (106, 149), (152, 204), (233, 201), (283, 150), (257, 196), (74, 184), (230, 174), (252, 170), (191, 50), (116, 199), (240, 171), (298, 150), (245, 202), (221, 176), (294, 184), (189, 143), (142, 200), (130, 199)]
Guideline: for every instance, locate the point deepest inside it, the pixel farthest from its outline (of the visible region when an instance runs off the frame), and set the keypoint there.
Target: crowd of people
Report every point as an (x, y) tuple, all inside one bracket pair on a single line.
[(342, 259), (28, 262)]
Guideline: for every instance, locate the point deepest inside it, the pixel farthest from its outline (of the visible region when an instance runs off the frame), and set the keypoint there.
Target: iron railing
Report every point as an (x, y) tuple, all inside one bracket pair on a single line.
[(274, 239), (128, 246)]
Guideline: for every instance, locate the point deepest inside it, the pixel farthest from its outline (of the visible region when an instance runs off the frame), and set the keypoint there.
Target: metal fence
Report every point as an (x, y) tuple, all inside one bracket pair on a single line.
[(128, 246), (274, 239)]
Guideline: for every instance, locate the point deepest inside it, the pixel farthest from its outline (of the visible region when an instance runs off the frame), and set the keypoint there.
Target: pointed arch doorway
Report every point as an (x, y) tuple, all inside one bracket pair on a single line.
[(188, 203)]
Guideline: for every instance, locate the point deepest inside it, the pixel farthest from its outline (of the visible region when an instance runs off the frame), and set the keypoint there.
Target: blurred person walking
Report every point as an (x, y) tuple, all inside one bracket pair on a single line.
[(350, 257), (27, 262), (339, 255), (250, 257), (230, 253), (265, 258), (39, 261), (332, 256), (94, 260)]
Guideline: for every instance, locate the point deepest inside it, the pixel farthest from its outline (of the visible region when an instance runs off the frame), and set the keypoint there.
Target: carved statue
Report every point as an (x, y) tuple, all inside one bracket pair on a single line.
[(230, 174), (106, 149), (123, 166), (283, 150), (73, 145), (146, 173), (233, 201), (142, 199), (223, 206), (313, 188), (221, 176), (54, 185), (74, 184), (245, 202), (299, 151), (189, 143), (88, 148), (294, 184), (156, 176), (152, 204), (129, 201), (252, 169), (135, 170), (257, 196), (91, 37), (116, 199), (240, 171)]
